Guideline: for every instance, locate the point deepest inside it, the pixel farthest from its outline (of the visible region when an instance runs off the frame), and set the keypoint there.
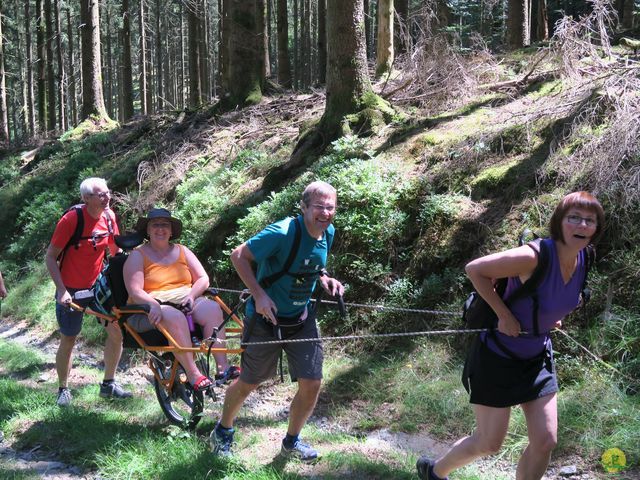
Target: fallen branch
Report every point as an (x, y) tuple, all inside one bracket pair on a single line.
[(528, 79)]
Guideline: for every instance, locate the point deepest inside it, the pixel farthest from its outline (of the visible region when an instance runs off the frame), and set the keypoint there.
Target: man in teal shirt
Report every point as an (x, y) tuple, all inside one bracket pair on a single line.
[(280, 308)]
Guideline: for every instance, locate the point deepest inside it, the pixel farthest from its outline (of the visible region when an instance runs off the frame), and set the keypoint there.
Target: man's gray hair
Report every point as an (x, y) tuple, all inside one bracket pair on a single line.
[(89, 185), (317, 188)]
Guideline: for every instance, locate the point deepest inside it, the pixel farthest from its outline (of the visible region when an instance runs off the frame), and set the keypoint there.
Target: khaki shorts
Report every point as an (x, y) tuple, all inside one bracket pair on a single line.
[(259, 362)]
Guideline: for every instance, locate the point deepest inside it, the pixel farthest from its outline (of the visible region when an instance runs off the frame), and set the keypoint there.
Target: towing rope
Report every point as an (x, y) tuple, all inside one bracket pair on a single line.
[(595, 357), (371, 306)]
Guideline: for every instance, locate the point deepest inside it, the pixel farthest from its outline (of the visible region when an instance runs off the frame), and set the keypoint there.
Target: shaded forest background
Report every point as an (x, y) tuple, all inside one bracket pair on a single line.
[(62, 61)]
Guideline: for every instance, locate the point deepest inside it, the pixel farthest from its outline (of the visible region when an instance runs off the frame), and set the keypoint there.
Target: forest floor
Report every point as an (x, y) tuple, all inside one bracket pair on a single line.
[(271, 401)]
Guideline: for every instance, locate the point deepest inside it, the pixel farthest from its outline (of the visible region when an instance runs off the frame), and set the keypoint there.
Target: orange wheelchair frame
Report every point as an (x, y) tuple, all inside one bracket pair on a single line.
[(180, 402)]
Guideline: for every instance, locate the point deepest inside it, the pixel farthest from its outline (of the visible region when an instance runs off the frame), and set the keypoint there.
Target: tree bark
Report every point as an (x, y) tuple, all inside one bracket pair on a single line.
[(384, 58), (61, 73), (127, 70), (51, 79), (41, 61), (244, 75), (108, 64), (515, 22), (195, 86), (143, 62), (263, 40), (322, 42), (296, 47), (203, 51), (627, 14), (92, 97), (367, 28), (347, 76), (4, 120), (225, 44), (401, 16), (159, 82), (284, 65), (30, 107)]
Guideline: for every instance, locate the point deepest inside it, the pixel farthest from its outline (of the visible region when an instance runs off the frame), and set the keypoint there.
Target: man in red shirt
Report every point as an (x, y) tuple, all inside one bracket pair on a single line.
[(77, 269)]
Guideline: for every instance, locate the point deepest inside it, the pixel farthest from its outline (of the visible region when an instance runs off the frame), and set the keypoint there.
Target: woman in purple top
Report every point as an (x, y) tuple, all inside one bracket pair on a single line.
[(511, 369)]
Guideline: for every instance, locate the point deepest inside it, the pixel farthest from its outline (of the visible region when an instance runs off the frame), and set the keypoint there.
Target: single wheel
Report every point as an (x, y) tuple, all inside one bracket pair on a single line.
[(181, 404)]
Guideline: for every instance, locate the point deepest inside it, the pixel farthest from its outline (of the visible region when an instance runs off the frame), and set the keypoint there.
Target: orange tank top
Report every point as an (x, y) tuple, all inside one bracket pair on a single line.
[(166, 277)]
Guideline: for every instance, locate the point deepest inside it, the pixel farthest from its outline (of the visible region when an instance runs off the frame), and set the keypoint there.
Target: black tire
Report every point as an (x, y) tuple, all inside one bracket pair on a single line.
[(182, 405)]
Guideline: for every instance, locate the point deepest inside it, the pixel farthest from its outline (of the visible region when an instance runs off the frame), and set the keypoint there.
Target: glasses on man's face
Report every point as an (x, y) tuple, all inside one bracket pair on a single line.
[(101, 195), (160, 225), (324, 208), (577, 220)]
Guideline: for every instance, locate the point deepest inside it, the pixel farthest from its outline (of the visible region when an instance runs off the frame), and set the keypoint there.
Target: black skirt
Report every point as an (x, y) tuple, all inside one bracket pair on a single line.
[(496, 381)]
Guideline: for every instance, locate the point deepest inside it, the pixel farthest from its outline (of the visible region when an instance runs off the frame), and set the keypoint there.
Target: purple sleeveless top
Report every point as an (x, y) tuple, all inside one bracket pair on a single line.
[(555, 300)]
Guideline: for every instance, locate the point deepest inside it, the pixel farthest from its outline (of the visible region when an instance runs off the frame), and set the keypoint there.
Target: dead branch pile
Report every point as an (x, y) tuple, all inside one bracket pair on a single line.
[(436, 75), (605, 134)]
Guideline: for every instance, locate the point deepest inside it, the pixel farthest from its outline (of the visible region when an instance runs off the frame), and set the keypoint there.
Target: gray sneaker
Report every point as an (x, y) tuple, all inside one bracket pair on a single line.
[(64, 397), (300, 450), (221, 442), (113, 390)]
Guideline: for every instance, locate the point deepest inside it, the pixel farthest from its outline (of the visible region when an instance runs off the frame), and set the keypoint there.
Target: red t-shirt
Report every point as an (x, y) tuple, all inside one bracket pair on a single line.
[(81, 266)]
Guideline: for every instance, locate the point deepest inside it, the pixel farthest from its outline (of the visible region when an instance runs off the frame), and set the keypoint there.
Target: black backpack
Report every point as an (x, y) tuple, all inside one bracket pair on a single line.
[(477, 313), (109, 289), (76, 237)]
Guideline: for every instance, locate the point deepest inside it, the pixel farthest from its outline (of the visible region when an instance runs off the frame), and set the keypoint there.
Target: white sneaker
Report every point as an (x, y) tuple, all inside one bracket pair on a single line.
[(64, 397)]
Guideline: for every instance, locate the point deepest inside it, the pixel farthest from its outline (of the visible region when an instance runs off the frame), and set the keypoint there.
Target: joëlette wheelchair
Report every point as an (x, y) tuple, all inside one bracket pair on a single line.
[(181, 404)]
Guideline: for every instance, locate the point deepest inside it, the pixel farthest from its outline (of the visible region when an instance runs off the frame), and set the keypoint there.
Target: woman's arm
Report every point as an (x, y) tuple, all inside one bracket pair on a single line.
[(133, 273), (516, 262), (199, 277)]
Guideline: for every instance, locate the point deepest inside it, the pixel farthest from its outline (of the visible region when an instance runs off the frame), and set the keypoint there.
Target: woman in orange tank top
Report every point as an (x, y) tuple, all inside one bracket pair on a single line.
[(161, 271)]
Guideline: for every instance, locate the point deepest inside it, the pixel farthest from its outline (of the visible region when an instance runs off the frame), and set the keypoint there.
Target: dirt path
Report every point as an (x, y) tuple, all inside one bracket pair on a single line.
[(271, 402)]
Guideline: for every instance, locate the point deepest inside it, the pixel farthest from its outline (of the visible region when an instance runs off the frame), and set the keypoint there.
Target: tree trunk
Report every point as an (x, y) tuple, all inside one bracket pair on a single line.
[(73, 101), (367, 28), (41, 60), (225, 44), (526, 24), (127, 70), (143, 62), (244, 85), (347, 75), (627, 14), (181, 97), (4, 120), (159, 82), (61, 74), (202, 51), (515, 22), (384, 59), (322, 42), (307, 43), (30, 108), (51, 79), (108, 64), (400, 25), (296, 47), (195, 87), (263, 40), (284, 65), (92, 97)]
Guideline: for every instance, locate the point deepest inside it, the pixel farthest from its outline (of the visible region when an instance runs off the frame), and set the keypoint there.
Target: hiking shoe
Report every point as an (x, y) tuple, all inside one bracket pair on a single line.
[(221, 441), (300, 450), (113, 390), (425, 469), (64, 397)]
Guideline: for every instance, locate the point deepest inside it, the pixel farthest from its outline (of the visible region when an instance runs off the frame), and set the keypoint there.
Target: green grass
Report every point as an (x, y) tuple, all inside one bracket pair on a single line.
[(19, 361)]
